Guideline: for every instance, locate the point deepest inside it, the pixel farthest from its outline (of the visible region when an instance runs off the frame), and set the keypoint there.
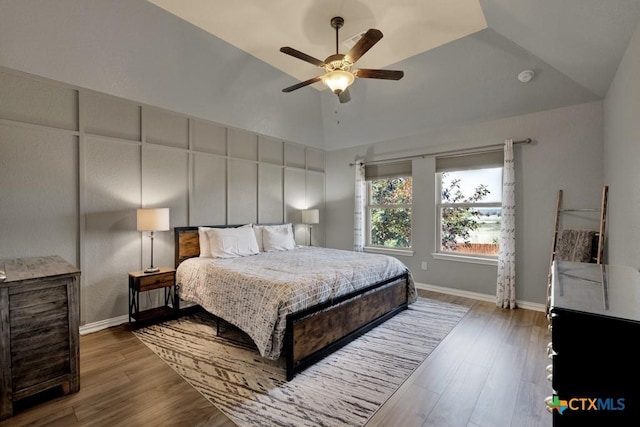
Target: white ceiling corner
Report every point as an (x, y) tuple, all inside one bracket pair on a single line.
[(460, 58), (260, 28)]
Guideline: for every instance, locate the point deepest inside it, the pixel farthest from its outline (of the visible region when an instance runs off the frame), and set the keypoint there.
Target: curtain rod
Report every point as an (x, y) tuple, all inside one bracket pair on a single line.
[(448, 152)]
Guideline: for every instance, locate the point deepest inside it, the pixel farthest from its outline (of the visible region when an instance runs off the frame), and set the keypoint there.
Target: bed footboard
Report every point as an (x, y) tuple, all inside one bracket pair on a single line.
[(314, 333)]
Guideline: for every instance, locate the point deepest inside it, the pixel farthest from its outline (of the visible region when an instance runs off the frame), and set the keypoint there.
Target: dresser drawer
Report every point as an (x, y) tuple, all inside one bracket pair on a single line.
[(41, 366), (39, 321), (41, 308), (147, 283)]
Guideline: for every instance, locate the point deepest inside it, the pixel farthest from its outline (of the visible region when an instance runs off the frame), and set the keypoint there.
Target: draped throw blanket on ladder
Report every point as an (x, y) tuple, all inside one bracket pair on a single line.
[(506, 282)]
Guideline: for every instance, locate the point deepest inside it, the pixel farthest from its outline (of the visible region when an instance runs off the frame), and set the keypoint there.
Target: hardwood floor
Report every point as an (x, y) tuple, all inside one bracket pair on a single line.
[(489, 371)]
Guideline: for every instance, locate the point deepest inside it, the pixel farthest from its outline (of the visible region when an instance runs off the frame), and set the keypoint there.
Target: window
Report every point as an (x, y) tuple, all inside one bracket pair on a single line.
[(469, 204), (389, 198)]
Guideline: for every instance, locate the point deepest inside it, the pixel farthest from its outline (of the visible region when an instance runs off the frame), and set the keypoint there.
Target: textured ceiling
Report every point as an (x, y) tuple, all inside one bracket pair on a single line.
[(261, 27), (461, 58)]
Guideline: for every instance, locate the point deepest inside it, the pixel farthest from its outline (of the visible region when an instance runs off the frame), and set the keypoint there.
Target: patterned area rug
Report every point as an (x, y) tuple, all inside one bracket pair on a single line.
[(344, 389)]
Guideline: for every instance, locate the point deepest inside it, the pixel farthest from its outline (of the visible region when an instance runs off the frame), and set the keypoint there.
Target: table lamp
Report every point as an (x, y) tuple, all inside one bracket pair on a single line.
[(309, 217), (153, 220)]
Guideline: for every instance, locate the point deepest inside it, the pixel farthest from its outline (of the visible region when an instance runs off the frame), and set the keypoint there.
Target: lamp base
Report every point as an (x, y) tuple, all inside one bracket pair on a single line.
[(152, 270)]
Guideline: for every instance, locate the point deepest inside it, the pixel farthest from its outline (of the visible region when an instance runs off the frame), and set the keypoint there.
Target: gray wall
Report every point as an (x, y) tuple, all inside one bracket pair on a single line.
[(136, 50), (75, 164), (621, 154), (566, 154), (429, 96), (67, 192)]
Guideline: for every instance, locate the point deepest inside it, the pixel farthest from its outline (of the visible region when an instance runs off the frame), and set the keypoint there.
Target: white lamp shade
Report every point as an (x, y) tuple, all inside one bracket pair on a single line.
[(338, 80), (153, 219), (310, 216)]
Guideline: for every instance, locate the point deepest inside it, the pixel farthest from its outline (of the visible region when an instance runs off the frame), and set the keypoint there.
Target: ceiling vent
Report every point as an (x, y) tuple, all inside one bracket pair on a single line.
[(351, 41), (526, 76)]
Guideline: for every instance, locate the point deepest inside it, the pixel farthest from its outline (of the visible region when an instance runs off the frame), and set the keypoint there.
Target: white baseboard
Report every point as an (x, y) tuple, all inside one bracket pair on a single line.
[(477, 296), (115, 321), (103, 324)]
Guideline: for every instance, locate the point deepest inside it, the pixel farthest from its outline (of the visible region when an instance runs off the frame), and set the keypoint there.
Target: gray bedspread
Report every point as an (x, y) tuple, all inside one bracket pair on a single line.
[(255, 293)]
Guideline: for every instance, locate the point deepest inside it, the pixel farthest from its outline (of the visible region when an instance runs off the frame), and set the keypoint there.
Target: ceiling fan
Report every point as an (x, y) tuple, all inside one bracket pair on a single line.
[(338, 76)]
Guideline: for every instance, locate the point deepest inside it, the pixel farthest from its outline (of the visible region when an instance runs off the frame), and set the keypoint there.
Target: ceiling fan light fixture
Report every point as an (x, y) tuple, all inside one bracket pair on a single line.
[(338, 81), (338, 75)]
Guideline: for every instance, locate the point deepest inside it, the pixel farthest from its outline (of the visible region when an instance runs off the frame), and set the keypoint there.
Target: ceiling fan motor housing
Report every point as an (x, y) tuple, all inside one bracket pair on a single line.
[(337, 62)]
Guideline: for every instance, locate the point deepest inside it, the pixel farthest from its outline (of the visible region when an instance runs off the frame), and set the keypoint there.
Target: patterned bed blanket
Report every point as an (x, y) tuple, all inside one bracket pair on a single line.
[(255, 293)]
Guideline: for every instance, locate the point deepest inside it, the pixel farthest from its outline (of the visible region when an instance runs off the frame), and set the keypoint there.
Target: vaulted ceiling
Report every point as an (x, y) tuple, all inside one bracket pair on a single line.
[(461, 59)]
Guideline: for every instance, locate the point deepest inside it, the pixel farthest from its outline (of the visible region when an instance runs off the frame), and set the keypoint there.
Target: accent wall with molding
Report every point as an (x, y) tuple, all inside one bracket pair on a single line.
[(75, 164)]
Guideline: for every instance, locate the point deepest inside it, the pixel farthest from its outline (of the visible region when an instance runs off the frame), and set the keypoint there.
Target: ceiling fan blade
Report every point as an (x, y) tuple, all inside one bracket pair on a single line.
[(379, 74), (365, 43), (302, 84), (344, 96), (297, 54)]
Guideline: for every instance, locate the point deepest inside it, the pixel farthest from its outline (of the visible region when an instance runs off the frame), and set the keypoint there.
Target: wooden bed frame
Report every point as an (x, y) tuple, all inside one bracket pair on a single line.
[(313, 333)]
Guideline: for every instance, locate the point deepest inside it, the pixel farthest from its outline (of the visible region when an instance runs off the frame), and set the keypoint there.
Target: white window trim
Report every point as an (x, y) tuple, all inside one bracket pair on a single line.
[(386, 249), (389, 251), (453, 256), (470, 258), (471, 205)]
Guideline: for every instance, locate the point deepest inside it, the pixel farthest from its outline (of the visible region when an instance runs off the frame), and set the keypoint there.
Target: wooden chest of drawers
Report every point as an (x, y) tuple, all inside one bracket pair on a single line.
[(39, 328)]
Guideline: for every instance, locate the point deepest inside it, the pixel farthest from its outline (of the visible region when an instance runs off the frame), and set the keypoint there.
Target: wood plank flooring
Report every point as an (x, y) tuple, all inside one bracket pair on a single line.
[(488, 372)]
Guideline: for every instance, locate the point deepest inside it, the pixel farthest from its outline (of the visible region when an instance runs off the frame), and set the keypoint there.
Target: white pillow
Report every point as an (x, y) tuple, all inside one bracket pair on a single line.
[(257, 230), (278, 238), (232, 242), (205, 249)]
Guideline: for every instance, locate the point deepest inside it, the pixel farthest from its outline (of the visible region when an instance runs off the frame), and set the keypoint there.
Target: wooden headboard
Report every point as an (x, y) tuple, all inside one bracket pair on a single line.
[(187, 241)]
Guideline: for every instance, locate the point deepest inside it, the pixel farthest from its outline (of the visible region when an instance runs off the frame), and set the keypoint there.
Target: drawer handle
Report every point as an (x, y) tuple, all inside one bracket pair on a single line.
[(549, 368), (550, 377)]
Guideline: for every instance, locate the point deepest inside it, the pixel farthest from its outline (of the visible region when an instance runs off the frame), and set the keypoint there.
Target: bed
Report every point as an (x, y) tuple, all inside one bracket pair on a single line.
[(301, 302)]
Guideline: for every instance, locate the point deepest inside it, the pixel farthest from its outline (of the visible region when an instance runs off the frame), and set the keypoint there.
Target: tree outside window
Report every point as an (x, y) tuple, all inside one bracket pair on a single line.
[(470, 211), (389, 212)]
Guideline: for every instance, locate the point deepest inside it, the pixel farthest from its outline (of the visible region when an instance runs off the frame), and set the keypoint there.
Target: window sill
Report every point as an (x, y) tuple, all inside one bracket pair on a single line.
[(388, 251), (465, 258)]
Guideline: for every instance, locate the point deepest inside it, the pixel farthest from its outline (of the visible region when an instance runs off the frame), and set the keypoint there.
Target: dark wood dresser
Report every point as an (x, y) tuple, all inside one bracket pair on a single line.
[(39, 328), (595, 325)]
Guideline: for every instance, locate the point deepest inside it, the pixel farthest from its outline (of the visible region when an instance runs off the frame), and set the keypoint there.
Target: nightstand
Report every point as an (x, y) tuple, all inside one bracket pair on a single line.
[(139, 281)]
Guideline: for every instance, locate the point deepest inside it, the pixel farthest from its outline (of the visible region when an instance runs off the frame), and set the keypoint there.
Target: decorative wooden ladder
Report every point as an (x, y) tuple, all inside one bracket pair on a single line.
[(601, 234)]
